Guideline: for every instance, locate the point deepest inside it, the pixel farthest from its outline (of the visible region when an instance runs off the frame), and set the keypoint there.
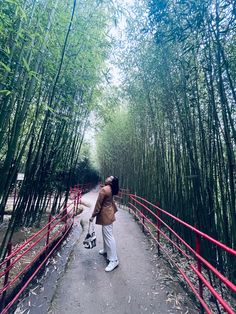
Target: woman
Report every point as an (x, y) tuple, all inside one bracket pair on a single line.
[(104, 212)]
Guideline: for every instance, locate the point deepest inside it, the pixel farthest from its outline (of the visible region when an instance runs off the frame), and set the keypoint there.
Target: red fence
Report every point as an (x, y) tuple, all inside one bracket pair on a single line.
[(84, 188), (152, 219), (43, 243)]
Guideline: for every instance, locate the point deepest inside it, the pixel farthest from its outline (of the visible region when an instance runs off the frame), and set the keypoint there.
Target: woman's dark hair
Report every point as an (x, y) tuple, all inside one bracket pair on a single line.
[(115, 186)]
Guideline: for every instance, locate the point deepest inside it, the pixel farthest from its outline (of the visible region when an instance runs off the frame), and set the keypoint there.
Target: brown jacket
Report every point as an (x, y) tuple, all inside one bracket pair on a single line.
[(105, 207)]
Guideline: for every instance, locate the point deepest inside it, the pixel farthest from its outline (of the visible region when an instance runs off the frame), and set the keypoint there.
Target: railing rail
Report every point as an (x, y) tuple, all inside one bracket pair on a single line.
[(202, 234), (52, 234), (152, 219)]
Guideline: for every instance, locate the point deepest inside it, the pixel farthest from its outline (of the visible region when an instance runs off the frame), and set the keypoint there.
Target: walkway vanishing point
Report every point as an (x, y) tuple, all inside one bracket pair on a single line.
[(76, 282)]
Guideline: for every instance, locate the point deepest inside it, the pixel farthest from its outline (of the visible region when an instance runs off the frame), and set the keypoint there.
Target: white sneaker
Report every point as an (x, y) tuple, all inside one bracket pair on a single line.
[(112, 265), (102, 252)]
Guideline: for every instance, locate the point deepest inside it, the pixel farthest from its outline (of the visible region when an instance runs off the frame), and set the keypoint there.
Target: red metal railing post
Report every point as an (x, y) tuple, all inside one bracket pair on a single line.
[(199, 263), (135, 218), (75, 204), (126, 199), (158, 229), (8, 263), (78, 199), (66, 216), (131, 201), (143, 220), (49, 226)]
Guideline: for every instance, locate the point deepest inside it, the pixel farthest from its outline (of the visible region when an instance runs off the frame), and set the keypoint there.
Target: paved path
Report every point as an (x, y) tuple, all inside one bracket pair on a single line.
[(136, 286)]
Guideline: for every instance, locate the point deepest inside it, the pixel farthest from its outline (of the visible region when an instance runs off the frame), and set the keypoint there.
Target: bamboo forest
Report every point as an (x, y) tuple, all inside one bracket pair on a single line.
[(144, 90)]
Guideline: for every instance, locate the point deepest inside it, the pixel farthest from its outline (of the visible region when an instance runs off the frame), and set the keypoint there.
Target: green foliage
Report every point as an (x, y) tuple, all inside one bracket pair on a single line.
[(5, 67), (51, 63), (179, 83)]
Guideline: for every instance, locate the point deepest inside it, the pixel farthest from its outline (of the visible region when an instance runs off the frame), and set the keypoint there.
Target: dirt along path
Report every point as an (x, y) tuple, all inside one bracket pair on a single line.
[(138, 285)]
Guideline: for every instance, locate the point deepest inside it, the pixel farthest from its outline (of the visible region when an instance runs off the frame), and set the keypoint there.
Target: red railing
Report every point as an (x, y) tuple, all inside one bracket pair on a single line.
[(43, 243), (152, 219), (84, 188)]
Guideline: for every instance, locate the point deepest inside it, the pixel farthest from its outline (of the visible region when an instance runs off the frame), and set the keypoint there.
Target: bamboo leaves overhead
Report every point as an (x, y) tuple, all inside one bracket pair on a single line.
[(179, 81), (51, 58)]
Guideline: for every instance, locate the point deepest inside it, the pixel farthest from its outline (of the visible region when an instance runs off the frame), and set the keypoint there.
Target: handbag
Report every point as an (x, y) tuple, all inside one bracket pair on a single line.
[(90, 239)]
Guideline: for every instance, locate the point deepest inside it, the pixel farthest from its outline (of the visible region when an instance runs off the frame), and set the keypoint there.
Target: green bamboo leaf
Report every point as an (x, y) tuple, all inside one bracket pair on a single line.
[(12, 1), (20, 12), (26, 64), (5, 91), (5, 66), (7, 50), (50, 109), (34, 74)]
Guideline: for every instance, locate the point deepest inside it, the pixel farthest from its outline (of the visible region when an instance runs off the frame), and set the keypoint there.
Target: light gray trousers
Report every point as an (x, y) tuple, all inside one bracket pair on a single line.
[(109, 243)]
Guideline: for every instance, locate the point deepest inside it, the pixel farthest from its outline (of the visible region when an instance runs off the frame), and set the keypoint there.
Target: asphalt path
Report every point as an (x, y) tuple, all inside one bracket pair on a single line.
[(137, 286)]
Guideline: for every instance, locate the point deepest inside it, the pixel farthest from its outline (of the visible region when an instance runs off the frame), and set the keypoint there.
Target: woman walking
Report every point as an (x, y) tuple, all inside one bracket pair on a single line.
[(104, 212)]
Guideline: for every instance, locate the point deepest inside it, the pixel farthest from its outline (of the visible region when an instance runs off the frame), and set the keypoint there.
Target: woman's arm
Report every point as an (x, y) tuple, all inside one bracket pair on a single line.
[(98, 205)]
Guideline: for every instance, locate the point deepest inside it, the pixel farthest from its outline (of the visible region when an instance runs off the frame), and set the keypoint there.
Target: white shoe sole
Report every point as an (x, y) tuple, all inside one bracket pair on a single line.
[(111, 269)]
